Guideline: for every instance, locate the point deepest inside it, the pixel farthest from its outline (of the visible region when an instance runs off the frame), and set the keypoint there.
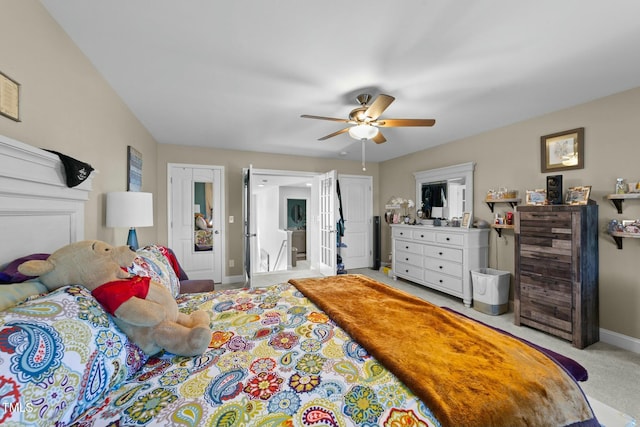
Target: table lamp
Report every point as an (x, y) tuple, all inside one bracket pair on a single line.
[(130, 209)]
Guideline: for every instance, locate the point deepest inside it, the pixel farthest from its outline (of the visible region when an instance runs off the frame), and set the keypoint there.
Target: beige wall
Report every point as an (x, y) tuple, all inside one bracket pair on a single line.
[(67, 106), (233, 162), (510, 157)]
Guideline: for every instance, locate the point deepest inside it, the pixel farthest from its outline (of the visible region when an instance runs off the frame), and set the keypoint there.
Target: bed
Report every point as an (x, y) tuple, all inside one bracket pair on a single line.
[(337, 351)]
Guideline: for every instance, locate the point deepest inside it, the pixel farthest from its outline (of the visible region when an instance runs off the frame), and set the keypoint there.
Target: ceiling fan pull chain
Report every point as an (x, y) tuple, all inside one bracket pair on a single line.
[(363, 141)]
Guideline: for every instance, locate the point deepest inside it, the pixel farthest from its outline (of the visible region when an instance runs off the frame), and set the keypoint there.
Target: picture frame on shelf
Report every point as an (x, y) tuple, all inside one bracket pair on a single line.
[(562, 150), (466, 220), (536, 197), (578, 195)]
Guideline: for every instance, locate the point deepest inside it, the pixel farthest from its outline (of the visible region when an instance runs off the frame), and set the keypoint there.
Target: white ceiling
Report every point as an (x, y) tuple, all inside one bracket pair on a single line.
[(238, 74)]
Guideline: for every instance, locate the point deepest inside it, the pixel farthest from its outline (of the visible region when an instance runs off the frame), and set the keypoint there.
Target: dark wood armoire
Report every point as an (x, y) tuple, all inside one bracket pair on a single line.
[(556, 271)]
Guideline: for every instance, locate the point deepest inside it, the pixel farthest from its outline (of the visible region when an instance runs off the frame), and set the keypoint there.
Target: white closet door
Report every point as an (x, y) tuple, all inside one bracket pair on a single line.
[(198, 264), (357, 201)]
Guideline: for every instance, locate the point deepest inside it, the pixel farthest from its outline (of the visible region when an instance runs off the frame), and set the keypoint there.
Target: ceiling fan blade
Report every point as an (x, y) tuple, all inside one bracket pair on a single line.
[(389, 123), (331, 135), (379, 105), (333, 119), (379, 138)]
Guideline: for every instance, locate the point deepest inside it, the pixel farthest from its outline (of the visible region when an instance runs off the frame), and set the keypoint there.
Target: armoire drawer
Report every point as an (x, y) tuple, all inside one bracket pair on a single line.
[(447, 254), (446, 267)]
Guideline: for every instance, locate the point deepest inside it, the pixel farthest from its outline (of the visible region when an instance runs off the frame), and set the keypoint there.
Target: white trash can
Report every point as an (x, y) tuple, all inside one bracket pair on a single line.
[(490, 290)]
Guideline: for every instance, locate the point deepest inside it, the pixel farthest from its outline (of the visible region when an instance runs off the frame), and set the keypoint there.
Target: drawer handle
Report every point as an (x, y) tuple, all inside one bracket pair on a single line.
[(422, 236), (448, 239), (440, 280), (406, 271), (406, 259), (406, 247), (401, 233), (440, 267), (439, 253)]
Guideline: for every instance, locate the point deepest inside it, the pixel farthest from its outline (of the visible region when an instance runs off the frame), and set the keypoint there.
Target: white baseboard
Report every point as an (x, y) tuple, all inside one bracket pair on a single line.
[(623, 341), (232, 279)]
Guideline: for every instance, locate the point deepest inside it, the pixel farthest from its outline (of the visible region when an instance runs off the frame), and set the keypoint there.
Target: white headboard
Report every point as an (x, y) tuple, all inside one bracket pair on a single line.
[(38, 212)]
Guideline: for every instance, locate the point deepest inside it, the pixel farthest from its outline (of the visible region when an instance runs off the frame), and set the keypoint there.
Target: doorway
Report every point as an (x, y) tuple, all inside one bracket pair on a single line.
[(284, 210), (195, 213)]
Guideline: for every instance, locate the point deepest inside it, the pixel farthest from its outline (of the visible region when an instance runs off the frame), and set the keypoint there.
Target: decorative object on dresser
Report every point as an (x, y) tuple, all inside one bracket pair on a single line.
[(554, 189), (440, 258), (556, 271), (536, 197), (578, 195)]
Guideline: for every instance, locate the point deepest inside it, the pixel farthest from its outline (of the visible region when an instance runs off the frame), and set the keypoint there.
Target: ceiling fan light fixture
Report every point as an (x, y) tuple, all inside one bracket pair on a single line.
[(363, 132)]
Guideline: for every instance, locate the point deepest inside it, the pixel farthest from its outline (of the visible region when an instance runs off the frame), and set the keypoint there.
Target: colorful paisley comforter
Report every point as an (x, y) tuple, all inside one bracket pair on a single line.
[(275, 359)]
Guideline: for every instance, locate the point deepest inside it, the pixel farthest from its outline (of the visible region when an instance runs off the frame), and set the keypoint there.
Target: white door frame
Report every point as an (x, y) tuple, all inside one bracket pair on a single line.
[(220, 254)]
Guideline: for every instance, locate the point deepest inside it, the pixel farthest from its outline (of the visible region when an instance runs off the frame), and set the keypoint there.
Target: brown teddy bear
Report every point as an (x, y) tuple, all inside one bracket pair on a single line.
[(143, 309)]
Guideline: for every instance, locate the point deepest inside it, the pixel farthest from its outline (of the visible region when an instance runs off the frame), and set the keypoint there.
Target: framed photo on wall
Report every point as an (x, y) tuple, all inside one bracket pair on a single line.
[(562, 151), (9, 98), (134, 169)]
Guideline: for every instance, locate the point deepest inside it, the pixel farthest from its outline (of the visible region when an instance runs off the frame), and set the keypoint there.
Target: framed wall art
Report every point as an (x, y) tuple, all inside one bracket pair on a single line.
[(134, 169), (9, 98), (562, 150), (536, 197), (578, 195)]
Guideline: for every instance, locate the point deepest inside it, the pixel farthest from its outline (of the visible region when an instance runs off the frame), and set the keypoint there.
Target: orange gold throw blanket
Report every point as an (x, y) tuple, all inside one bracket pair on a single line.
[(465, 372)]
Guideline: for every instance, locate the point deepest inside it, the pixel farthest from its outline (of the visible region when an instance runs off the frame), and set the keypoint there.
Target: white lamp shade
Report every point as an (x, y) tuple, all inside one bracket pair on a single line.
[(363, 131), (129, 209)]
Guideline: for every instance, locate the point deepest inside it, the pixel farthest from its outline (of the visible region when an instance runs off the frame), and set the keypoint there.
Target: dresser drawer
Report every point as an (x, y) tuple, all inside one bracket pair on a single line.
[(410, 258), (424, 235), (446, 267), (401, 233), (404, 246), (409, 271), (447, 254), (450, 238), (443, 281)]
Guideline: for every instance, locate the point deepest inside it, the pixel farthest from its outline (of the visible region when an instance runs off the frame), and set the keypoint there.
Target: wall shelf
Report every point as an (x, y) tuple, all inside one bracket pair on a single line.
[(500, 227), (492, 202), (619, 235), (617, 199)]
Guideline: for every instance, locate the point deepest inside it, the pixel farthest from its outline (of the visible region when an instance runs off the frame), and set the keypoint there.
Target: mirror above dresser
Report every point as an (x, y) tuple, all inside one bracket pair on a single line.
[(445, 192)]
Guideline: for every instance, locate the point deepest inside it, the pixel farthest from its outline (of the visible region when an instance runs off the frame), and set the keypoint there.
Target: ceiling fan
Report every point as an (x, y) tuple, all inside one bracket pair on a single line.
[(366, 119)]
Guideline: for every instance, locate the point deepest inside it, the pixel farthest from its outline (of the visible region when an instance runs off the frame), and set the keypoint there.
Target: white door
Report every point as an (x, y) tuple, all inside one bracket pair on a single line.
[(327, 223), (357, 201), (196, 189)]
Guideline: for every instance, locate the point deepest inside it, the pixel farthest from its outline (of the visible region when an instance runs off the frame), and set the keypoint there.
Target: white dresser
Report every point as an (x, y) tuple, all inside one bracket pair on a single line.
[(439, 257)]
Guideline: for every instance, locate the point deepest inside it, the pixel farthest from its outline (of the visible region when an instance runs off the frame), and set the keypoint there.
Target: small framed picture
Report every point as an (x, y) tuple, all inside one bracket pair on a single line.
[(9, 98), (578, 195), (562, 151), (537, 197), (466, 220), (134, 169)]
